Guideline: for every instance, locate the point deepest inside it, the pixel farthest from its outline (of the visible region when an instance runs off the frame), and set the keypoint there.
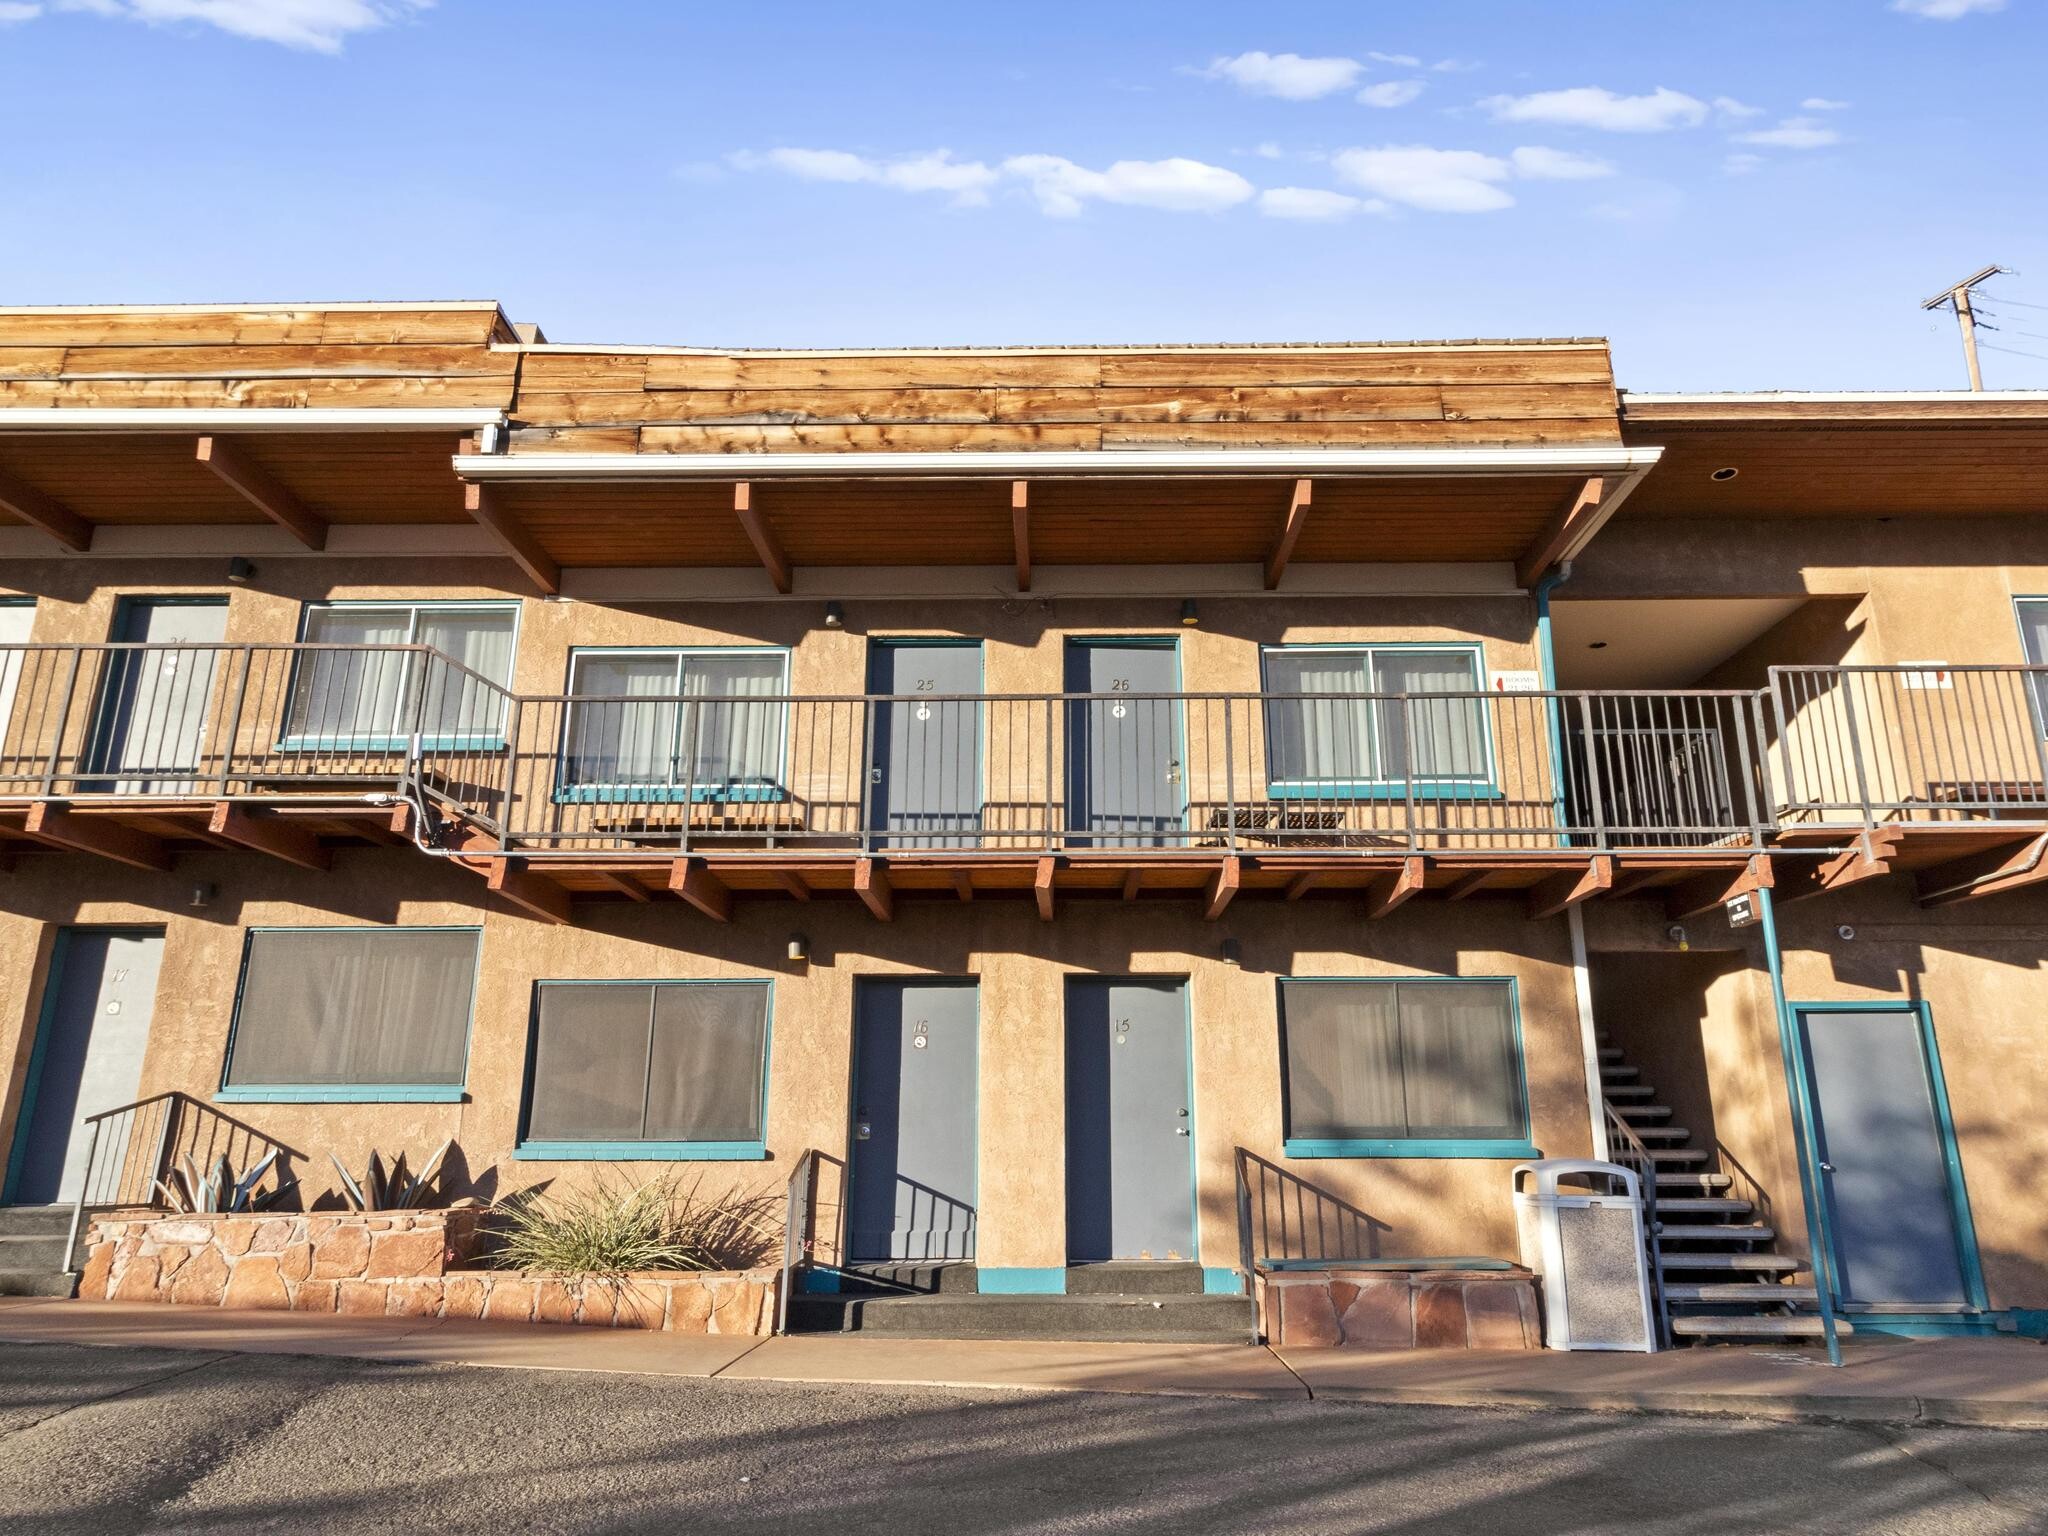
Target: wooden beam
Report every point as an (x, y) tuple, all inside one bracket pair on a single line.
[(625, 885), (260, 489), (540, 567), (794, 883), (533, 894), (1222, 888), (1708, 892), (1041, 888), (761, 536), (1468, 884), (1134, 880), (1628, 881), (1302, 884), (1991, 873), (1559, 892), (266, 832), (1563, 530), (871, 885), (45, 512), (691, 880), (963, 885), (1020, 530), (1290, 534), (1870, 859), (1391, 891), (62, 827)]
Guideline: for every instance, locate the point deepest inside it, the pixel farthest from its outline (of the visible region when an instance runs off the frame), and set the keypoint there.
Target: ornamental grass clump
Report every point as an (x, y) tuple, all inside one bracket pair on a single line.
[(610, 1228)]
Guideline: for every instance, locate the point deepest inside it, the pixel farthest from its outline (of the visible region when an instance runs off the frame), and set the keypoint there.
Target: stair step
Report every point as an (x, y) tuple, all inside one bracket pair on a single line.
[(1614, 1072), (37, 1282), (1134, 1278), (907, 1278), (1678, 1155), (34, 1220), (1682, 1232), (1608, 1052), (1750, 1326), (1726, 1291), (32, 1252), (1680, 1179), (1747, 1263), (1176, 1318), (1662, 1133), (1643, 1111), (1629, 1091), (1700, 1205)]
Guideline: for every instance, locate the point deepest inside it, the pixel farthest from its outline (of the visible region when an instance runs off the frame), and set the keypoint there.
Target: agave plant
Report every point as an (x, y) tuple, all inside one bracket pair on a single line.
[(397, 1189), (186, 1192)]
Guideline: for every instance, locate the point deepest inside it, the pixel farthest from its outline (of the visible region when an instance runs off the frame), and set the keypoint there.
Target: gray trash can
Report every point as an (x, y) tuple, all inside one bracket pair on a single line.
[(1581, 1227)]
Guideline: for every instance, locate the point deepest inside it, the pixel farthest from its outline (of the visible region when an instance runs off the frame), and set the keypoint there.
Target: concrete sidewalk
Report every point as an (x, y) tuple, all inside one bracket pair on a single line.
[(1993, 1382)]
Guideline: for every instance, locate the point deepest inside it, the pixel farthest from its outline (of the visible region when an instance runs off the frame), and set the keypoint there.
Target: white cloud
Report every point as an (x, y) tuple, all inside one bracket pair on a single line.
[(1740, 164), (1822, 104), (1390, 93), (1176, 185), (1268, 151), (1314, 203), (1440, 180), (1398, 60), (1728, 106), (1286, 75), (1946, 10), (320, 26), (1590, 106), (18, 10), (968, 181), (1536, 163), (1456, 66), (1793, 133)]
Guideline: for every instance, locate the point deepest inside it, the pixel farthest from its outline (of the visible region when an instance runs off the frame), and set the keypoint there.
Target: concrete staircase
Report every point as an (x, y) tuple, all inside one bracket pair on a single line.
[(1723, 1276), (1162, 1303), (32, 1241)]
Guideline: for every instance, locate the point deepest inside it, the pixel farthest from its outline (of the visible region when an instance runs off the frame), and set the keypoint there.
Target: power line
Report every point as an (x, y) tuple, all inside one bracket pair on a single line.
[(2013, 351), (1957, 298)]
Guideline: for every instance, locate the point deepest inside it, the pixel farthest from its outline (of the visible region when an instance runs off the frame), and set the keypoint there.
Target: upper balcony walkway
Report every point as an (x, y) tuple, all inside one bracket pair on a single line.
[(1827, 776)]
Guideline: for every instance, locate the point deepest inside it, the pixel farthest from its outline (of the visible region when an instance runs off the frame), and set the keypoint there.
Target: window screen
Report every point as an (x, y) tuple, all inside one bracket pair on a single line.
[(1333, 737), (711, 723), (1384, 1060), (364, 697), (354, 1008), (648, 1061)]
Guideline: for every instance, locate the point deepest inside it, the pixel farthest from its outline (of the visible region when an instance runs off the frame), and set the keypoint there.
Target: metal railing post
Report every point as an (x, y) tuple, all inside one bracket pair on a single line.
[(236, 696), (1742, 756), (63, 724), (1856, 758), (1408, 769), (92, 1152), (1596, 801), (1229, 778)]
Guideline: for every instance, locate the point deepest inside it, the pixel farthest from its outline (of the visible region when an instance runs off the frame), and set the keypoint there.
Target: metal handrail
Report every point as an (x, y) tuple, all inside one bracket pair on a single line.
[(1625, 1147), (798, 1246)]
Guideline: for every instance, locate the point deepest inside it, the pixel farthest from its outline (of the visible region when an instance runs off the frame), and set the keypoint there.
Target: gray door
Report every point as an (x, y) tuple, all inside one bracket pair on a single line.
[(916, 1079), (1130, 1143), (154, 704), (1124, 777), (926, 766), (1884, 1166), (88, 1054)]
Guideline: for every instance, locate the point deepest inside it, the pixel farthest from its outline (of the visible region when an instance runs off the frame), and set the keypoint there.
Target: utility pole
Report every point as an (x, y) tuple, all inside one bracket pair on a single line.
[(1958, 298)]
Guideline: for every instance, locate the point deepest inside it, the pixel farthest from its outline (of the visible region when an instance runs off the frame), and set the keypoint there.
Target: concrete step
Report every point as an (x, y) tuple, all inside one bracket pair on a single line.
[(1174, 1319), (37, 1282), (32, 1252), (1643, 1111), (907, 1278), (1726, 1291), (1729, 1232), (1680, 1179), (1615, 1072), (1698, 1205), (1134, 1278), (1750, 1326), (34, 1220), (1662, 1133), (1619, 1091), (1747, 1263), (1609, 1052), (1676, 1156)]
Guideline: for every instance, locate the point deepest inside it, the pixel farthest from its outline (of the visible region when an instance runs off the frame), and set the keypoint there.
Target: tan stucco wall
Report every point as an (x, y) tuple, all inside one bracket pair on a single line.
[(1423, 1208)]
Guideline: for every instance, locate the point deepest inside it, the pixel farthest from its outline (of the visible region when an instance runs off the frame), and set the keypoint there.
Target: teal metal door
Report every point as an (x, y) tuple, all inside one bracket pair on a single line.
[(1889, 1172)]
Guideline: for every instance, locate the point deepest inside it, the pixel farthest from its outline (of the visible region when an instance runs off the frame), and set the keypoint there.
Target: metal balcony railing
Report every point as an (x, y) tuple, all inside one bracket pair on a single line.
[(662, 774)]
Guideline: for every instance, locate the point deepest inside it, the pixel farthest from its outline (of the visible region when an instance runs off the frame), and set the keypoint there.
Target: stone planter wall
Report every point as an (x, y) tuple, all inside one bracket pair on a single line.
[(401, 1264), (1401, 1309)]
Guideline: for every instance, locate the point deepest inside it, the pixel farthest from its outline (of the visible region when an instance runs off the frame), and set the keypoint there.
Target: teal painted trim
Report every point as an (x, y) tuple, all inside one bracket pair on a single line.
[(1477, 653), (641, 1152), (1521, 1075), (2029, 1322), (1951, 1153), (819, 1280), (1425, 789), (53, 976), (1819, 1233), (1187, 1010), (1222, 1282), (1048, 1281), (671, 794), (1926, 1325), (1499, 1151), (341, 1093)]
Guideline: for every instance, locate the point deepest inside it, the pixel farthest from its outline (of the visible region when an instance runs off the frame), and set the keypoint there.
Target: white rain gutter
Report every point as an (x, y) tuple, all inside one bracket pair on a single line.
[(226, 419), (1030, 463), (1834, 397)]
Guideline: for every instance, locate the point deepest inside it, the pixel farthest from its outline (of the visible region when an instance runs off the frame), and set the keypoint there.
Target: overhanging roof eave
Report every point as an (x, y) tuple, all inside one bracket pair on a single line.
[(233, 419)]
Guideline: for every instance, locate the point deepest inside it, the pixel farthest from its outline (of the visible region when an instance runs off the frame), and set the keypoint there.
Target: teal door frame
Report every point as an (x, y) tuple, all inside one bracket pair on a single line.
[(1951, 1154)]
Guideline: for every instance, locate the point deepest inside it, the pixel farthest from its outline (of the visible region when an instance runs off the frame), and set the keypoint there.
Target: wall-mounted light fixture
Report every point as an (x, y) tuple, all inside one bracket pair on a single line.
[(1188, 615), (1233, 952), (1677, 935), (835, 616), (241, 570), (203, 894), (799, 947)]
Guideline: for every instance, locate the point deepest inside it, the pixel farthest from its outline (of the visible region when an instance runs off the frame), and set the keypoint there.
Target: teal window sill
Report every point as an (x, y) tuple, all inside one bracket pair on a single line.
[(641, 1151), (1424, 790), (1505, 1151), (671, 794), (342, 1093)]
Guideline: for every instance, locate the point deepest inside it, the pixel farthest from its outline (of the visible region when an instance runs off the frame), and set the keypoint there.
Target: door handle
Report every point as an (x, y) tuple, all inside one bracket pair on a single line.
[(1180, 1130), (1827, 1167)]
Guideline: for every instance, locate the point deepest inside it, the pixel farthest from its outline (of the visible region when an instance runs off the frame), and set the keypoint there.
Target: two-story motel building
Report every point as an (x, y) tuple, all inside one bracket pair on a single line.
[(1164, 804)]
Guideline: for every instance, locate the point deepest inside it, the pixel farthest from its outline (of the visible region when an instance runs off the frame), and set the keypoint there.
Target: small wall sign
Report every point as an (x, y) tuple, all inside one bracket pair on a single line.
[(1742, 912), (1514, 681), (1927, 676)]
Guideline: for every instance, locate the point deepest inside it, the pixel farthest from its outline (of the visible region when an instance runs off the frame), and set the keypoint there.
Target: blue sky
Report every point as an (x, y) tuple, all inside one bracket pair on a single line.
[(1740, 195)]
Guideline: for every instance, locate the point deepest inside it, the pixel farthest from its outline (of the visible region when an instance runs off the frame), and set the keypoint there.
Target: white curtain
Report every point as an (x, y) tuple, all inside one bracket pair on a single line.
[(613, 739), (16, 620), (1459, 1074), (1318, 740), (480, 640), (1343, 1060), (1430, 738), (344, 696), (738, 741)]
